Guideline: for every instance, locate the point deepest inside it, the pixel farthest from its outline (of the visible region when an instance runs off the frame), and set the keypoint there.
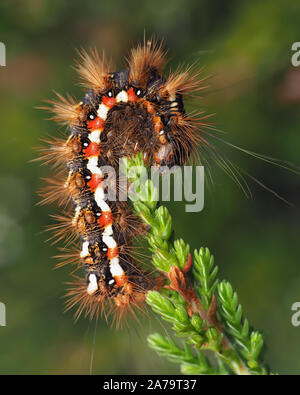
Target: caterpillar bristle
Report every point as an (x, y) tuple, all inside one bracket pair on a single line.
[(128, 223), (63, 229), (145, 59), (93, 71), (183, 82), (68, 256), (65, 110), (54, 192), (55, 152), (99, 305), (77, 296)]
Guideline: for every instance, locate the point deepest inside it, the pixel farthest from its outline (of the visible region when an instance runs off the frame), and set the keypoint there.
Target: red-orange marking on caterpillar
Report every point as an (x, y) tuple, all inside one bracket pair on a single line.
[(109, 101), (97, 123), (93, 149), (95, 181), (105, 219)]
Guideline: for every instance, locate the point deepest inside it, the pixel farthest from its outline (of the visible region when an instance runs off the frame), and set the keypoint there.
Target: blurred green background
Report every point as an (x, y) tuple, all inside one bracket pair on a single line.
[(255, 93)]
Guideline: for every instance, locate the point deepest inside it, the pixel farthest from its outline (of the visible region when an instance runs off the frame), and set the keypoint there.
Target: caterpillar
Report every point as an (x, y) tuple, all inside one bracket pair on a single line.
[(133, 110)]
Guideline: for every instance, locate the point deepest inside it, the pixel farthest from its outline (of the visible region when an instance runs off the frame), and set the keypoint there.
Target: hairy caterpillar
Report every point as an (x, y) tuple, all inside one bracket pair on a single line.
[(133, 110)]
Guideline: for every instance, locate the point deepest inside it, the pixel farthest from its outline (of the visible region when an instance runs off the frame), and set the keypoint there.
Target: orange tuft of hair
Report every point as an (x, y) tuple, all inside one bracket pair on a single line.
[(65, 110), (183, 82), (94, 72), (92, 305), (147, 57), (119, 307), (54, 192)]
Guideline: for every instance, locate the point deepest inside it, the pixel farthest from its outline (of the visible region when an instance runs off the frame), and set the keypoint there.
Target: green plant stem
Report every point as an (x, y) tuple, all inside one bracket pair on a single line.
[(202, 310)]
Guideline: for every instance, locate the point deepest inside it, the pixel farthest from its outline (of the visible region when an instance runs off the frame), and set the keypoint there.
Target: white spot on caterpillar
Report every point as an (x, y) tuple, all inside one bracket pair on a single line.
[(99, 198), (111, 281), (94, 136), (109, 241), (85, 249), (122, 97), (93, 284), (92, 165), (102, 111), (108, 230), (115, 268), (174, 104)]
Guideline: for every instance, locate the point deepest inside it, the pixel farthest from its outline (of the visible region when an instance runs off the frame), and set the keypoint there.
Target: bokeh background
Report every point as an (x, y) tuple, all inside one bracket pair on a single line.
[(254, 91)]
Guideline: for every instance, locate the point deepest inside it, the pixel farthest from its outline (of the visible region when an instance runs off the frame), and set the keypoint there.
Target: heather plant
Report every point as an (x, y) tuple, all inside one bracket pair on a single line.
[(211, 334)]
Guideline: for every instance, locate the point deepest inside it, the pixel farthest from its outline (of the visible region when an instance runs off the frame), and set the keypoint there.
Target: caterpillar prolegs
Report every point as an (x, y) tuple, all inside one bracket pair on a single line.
[(122, 113)]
